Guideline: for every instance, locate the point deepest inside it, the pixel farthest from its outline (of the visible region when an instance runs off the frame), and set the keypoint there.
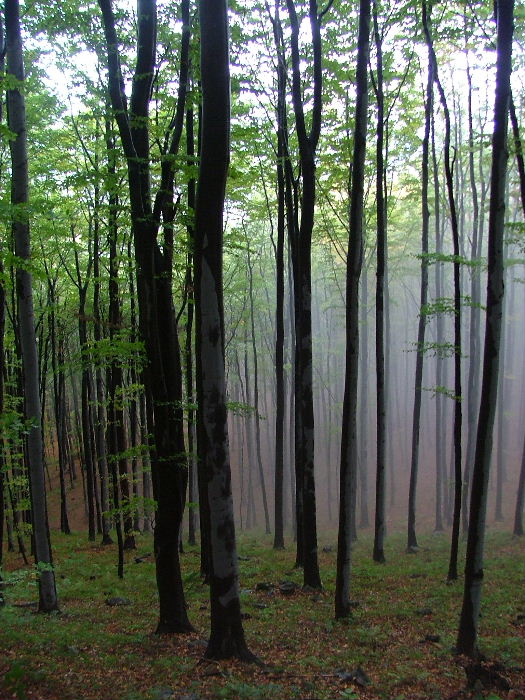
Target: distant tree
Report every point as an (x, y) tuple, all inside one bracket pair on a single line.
[(468, 625), (21, 235), (518, 147), (348, 468)]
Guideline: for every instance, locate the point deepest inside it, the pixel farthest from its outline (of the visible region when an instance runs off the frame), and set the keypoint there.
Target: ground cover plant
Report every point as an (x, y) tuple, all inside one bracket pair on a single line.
[(397, 644)]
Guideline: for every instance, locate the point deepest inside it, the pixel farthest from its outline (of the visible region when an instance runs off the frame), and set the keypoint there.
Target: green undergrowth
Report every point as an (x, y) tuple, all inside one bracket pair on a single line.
[(401, 634)]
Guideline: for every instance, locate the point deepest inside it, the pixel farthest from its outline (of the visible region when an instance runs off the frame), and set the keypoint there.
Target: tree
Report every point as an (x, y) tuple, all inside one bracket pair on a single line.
[(280, 388), (520, 496), (227, 634), (378, 554), (468, 625), (348, 468), (454, 224), (301, 245), (416, 420), (163, 373), (21, 234)]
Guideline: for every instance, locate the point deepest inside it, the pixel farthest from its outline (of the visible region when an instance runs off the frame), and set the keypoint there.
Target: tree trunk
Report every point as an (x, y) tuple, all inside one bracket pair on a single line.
[(416, 419), (363, 413), (458, 398), (354, 264), (188, 348), (475, 315), (227, 635), (256, 397), (379, 554), (468, 625), (20, 227), (278, 542), (163, 373), (301, 258)]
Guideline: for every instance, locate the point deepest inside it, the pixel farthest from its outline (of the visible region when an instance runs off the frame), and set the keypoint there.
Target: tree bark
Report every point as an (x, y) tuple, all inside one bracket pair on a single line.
[(425, 215), (21, 235), (348, 466), (301, 241), (458, 414), (227, 634), (163, 373), (278, 542), (468, 625), (378, 554)]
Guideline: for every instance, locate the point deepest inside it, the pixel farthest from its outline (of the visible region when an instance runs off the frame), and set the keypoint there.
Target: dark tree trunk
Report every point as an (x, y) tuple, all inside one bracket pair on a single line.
[(458, 415), (363, 380), (87, 415), (425, 214), (227, 635), (2, 356), (442, 500), (379, 554), (100, 406), (115, 415), (520, 499), (475, 316), (163, 373), (354, 264), (188, 349), (468, 625), (20, 228), (282, 136), (520, 496), (301, 241), (57, 365)]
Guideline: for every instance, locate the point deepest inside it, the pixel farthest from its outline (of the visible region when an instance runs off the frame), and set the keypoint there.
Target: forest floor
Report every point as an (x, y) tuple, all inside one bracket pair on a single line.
[(398, 644)]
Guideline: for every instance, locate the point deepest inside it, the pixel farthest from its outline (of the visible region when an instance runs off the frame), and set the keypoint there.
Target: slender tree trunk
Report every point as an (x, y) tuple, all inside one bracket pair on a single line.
[(188, 349), (256, 398), (301, 257), (442, 500), (379, 554), (468, 625), (2, 359), (280, 397), (363, 413), (354, 263), (520, 499), (163, 373), (420, 348), (100, 408), (458, 415), (520, 496), (21, 235), (475, 316)]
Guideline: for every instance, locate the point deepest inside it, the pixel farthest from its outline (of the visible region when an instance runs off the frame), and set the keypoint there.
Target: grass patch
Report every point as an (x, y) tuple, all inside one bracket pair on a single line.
[(401, 633)]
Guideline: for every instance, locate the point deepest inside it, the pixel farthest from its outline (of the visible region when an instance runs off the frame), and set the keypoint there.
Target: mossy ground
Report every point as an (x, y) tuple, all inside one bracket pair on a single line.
[(93, 651)]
